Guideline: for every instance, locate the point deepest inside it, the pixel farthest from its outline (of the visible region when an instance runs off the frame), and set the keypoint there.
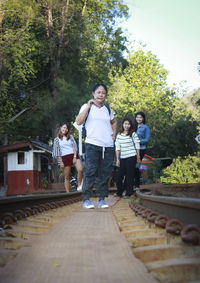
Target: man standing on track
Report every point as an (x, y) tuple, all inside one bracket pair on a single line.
[(101, 127)]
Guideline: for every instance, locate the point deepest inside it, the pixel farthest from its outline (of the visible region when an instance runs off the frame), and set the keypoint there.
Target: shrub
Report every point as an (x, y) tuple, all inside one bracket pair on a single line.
[(182, 170)]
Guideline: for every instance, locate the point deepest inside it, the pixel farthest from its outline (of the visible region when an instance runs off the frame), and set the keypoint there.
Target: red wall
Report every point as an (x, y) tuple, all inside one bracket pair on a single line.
[(17, 182)]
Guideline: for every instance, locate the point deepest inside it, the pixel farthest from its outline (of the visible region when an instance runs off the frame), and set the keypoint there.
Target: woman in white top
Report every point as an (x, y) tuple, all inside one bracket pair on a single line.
[(127, 155), (65, 150)]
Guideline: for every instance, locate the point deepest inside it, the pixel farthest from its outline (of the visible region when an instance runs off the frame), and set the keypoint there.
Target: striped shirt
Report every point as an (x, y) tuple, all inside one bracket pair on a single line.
[(57, 152), (127, 145)]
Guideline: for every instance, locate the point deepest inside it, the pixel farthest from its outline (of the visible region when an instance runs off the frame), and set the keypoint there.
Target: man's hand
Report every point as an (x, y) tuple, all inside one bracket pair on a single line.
[(90, 102)]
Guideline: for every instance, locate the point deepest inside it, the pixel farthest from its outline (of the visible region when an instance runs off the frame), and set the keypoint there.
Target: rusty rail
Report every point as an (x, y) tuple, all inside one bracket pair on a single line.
[(21, 206), (186, 210)]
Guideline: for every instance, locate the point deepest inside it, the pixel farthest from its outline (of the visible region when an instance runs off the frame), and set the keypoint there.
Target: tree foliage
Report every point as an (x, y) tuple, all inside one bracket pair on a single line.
[(193, 103), (182, 170), (141, 86), (52, 52)]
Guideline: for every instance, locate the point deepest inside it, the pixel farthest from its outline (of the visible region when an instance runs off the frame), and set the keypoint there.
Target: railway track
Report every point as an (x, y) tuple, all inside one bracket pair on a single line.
[(166, 253), (15, 208), (185, 209), (29, 216), (169, 248)]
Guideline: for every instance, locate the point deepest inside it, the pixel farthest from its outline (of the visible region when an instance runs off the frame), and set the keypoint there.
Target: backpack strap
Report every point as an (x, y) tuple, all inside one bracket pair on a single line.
[(108, 107), (83, 127)]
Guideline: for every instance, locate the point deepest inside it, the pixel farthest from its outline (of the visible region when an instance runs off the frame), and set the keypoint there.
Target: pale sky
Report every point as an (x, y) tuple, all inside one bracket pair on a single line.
[(171, 30)]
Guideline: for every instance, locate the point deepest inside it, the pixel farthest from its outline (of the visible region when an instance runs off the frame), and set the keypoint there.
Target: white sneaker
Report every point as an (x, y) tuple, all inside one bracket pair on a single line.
[(88, 204), (79, 188), (102, 204)]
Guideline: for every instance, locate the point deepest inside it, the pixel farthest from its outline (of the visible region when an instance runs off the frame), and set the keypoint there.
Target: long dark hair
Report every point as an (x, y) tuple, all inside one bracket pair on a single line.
[(98, 85), (143, 116), (131, 129), (60, 135)]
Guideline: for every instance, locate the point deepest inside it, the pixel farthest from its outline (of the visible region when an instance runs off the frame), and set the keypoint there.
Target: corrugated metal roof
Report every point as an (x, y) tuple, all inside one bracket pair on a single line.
[(26, 145)]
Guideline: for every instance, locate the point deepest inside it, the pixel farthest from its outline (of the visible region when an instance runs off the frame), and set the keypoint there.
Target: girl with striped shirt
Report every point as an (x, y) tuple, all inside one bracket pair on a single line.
[(127, 155)]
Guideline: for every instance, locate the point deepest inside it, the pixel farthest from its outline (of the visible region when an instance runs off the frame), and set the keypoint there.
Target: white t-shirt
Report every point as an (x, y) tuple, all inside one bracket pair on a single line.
[(66, 146), (98, 126)]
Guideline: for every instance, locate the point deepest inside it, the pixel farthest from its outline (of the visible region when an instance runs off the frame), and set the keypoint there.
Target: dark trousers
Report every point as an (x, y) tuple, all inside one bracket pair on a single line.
[(99, 168), (137, 171), (127, 171)]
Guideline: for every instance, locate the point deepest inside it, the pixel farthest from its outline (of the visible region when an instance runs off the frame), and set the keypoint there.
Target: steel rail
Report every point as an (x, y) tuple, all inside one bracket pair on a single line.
[(184, 209), (13, 208)]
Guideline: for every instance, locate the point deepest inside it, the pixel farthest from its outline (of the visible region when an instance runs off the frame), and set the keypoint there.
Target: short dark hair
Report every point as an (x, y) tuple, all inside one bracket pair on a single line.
[(131, 129), (98, 85)]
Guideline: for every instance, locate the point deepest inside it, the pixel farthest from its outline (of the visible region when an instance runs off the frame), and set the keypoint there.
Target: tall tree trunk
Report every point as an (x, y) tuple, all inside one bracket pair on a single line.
[(64, 19), (1, 11), (55, 50), (84, 8), (49, 21)]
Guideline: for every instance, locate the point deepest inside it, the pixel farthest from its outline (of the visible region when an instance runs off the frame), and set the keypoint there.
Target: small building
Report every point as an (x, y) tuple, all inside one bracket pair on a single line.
[(24, 163)]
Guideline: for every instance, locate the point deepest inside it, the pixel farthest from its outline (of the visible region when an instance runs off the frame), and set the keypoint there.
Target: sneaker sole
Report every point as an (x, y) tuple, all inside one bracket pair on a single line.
[(89, 207), (103, 206)]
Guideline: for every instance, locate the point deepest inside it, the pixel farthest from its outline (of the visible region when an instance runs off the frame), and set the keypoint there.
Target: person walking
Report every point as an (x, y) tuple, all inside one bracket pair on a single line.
[(127, 146), (100, 126), (65, 151), (143, 132)]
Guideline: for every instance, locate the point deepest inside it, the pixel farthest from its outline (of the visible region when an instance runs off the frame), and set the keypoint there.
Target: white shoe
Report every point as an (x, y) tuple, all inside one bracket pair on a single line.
[(102, 204), (88, 204), (79, 188)]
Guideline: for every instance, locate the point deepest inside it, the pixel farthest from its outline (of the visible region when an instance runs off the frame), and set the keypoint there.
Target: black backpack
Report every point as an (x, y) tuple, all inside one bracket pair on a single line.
[(84, 133)]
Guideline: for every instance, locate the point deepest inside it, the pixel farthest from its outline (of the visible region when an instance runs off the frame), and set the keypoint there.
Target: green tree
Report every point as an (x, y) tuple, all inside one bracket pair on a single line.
[(6, 110), (193, 103), (182, 137), (18, 51), (141, 86), (53, 51)]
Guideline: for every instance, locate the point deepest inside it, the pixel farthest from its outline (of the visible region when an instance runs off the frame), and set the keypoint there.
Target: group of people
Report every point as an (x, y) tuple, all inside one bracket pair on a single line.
[(101, 144)]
